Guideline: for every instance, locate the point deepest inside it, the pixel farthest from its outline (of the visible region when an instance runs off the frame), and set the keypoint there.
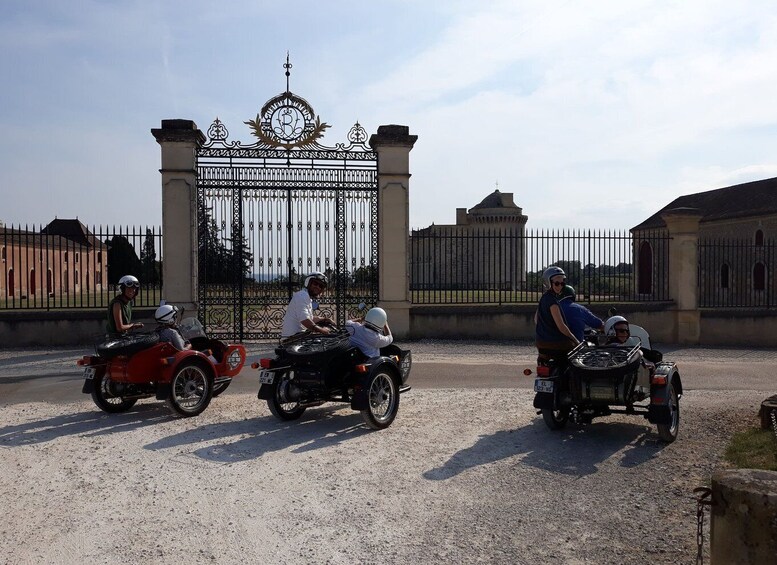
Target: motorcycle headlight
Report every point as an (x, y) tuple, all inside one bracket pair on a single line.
[(234, 359)]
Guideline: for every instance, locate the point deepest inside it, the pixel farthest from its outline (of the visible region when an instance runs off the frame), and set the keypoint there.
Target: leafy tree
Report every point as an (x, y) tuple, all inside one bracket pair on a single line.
[(122, 259), (151, 269), (222, 264), (365, 277)]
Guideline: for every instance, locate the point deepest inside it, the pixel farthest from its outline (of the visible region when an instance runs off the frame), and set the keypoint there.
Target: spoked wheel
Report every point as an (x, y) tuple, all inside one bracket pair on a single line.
[(106, 398), (668, 432), (190, 389), (281, 403), (555, 419), (383, 399)]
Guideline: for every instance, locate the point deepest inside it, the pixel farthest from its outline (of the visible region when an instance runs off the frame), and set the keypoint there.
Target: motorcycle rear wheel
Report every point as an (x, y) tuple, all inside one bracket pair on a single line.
[(279, 406), (106, 400), (668, 432), (383, 401), (555, 419)]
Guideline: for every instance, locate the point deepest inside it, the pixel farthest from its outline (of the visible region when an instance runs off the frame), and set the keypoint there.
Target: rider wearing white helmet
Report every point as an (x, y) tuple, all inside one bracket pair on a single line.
[(552, 335), (616, 328), (370, 333), (166, 316), (120, 308), (299, 315)]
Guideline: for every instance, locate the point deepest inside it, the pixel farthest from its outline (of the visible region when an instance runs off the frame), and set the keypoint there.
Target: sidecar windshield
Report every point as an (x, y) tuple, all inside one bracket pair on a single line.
[(191, 328)]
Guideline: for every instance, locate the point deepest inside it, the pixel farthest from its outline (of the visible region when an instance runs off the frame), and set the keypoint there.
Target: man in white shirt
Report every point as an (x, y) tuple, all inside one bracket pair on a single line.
[(370, 334), (299, 315)]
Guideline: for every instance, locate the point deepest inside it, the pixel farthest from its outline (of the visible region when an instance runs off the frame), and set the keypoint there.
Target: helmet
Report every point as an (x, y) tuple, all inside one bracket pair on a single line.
[(376, 318), (609, 325), (319, 276), (550, 272), (166, 314), (129, 281), (567, 293)]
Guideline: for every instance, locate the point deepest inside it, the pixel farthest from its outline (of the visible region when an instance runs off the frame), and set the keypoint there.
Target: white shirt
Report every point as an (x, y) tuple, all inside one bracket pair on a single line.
[(366, 339), (300, 308)]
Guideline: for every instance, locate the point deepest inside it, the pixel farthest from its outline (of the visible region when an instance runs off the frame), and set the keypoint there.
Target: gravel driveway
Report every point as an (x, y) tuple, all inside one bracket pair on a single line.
[(462, 476)]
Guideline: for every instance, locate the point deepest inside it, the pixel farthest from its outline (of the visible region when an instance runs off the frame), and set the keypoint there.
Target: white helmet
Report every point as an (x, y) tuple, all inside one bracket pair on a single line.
[(551, 272), (166, 314), (129, 281), (376, 318), (319, 276), (609, 325)]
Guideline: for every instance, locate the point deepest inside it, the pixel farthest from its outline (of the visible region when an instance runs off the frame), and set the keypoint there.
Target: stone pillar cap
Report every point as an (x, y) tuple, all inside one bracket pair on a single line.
[(393, 135)]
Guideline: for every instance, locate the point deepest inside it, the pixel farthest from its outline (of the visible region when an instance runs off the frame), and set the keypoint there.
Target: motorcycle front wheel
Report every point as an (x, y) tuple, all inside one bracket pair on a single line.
[(555, 419), (383, 401), (279, 404), (106, 399)]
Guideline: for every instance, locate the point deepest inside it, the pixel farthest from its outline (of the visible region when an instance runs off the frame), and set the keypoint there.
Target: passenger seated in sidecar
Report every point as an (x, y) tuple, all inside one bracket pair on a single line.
[(370, 333), (618, 331)]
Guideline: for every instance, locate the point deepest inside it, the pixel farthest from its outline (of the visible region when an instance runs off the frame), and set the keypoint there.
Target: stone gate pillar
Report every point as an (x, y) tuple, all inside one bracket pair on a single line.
[(682, 225), (180, 140), (393, 144)]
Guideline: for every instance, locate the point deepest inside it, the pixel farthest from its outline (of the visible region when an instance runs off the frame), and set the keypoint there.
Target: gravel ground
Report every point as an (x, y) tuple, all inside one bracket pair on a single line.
[(462, 476)]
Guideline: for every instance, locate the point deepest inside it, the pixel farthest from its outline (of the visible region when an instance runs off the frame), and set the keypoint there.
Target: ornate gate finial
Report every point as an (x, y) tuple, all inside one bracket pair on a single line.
[(287, 66)]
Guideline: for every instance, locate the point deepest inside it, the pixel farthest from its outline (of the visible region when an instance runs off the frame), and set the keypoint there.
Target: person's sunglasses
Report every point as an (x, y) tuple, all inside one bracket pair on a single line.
[(559, 283)]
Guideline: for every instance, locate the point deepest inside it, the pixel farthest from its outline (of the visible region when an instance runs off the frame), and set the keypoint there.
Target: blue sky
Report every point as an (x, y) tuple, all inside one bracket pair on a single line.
[(593, 113)]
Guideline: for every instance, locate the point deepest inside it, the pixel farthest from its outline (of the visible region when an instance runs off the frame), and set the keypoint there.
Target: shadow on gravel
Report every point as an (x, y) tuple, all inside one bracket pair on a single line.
[(576, 451), (319, 428), (86, 424)]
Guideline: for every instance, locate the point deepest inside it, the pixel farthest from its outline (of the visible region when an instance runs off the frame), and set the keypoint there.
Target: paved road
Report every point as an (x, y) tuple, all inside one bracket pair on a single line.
[(52, 374)]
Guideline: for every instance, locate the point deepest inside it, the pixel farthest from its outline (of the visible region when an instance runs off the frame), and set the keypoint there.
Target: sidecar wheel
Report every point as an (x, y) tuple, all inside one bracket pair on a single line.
[(280, 406), (105, 398), (555, 419), (383, 401), (668, 432), (191, 389)]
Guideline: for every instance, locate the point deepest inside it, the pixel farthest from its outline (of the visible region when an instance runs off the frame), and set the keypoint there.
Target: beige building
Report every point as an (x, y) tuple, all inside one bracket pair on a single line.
[(737, 228), (483, 250)]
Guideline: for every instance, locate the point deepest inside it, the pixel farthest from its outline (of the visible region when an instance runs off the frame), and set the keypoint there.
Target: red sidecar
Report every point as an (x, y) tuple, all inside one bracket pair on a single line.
[(129, 368)]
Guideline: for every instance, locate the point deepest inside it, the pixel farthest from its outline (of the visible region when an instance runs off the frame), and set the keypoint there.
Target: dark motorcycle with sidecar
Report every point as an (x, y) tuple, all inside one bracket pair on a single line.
[(311, 369), (598, 378)]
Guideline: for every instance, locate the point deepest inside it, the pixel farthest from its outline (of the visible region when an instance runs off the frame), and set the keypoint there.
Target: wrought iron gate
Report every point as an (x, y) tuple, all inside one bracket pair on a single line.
[(273, 211)]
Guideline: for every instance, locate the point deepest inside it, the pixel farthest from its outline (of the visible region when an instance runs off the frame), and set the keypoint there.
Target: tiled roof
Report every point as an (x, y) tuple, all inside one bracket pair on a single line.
[(757, 198)]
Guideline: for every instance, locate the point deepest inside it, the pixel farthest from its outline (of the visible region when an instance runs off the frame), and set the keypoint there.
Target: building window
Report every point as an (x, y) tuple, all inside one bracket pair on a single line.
[(759, 238), (65, 256), (3, 252), (49, 282), (99, 257), (77, 256), (724, 276), (645, 285), (759, 276), (10, 282), (31, 286)]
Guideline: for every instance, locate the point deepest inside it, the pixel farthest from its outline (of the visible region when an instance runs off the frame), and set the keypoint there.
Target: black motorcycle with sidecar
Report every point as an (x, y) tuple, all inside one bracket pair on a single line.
[(311, 369), (599, 378)]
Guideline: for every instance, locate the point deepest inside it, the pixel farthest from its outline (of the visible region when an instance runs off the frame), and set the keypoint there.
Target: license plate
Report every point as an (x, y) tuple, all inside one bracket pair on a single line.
[(543, 385), (266, 377), (89, 373)]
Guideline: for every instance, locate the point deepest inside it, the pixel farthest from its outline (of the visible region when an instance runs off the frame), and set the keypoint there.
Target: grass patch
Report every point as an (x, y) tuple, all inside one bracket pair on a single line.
[(753, 449)]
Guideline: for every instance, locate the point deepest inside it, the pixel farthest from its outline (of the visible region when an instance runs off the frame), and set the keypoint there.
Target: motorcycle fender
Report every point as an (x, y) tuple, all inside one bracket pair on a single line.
[(265, 392), (544, 400), (658, 411), (88, 387)]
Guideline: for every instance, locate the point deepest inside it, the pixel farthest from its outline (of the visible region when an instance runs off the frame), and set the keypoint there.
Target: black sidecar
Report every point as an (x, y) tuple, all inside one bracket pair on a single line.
[(312, 369)]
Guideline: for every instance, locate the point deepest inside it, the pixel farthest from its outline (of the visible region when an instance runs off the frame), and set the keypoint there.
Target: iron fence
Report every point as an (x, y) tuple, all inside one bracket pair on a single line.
[(450, 265), (736, 273), (66, 265)]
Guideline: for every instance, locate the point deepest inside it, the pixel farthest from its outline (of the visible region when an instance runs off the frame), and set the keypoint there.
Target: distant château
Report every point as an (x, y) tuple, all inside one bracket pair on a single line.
[(461, 256)]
